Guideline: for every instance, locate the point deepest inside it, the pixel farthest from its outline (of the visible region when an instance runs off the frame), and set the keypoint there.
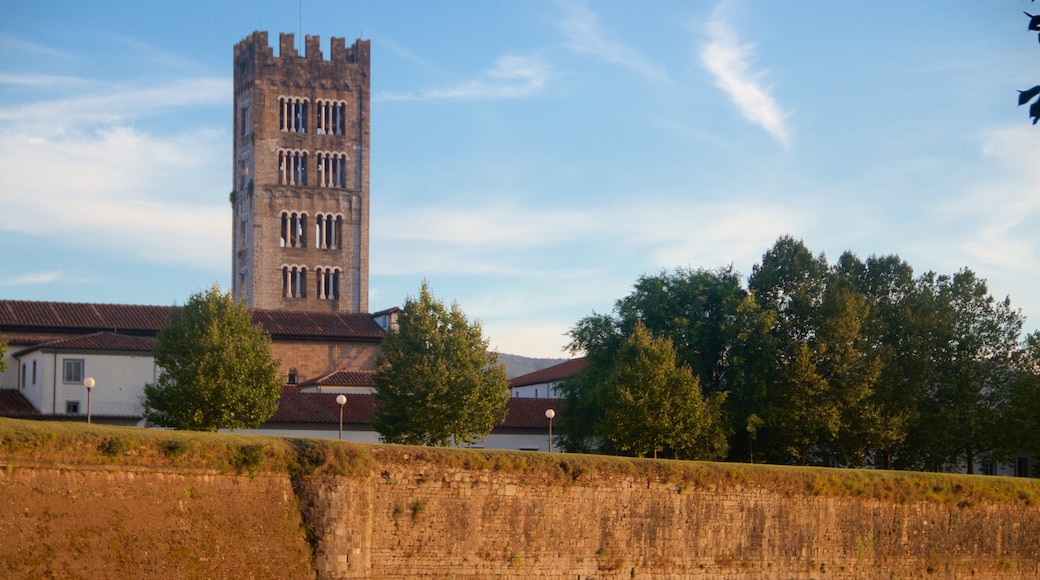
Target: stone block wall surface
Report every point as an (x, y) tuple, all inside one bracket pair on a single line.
[(419, 521), (122, 523), (409, 518), (312, 359)]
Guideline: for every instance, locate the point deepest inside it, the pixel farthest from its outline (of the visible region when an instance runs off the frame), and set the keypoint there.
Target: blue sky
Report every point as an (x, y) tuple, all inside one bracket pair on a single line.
[(531, 159)]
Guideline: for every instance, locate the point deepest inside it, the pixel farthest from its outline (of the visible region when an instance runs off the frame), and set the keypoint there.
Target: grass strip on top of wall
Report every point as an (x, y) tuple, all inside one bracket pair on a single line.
[(72, 443)]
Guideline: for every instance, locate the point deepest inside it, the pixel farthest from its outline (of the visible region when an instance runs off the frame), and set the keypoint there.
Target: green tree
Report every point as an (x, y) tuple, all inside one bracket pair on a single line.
[(436, 382), (818, 391), (972, 374), (652, 406), (696, 309), (897, 332), (1022, 422), (217, 368), (3, 351)]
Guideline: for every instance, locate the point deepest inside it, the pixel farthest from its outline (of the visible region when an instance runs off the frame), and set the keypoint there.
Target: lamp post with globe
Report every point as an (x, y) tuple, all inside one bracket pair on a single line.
[(341, 400), (89, 383), (549, 413)]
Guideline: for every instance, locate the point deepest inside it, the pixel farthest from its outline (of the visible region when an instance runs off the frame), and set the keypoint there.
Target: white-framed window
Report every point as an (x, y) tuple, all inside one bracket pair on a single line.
[(292, 114), (332, 169), (294, 281), (332, 117), (327, 229), (73, 370), (327, 283), (72, 407), (292, 167), (294, 230)]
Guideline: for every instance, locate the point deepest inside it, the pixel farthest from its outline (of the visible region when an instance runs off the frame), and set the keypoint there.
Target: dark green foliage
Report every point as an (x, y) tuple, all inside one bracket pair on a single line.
[(217, 368), (653, 407), (436, 382), (853, 364)]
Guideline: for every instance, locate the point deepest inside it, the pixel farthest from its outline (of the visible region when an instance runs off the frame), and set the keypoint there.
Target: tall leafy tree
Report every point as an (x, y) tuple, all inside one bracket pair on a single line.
[(3, 350), (436, 383), (696, 309), (897, 332), (653, 407), (217, 368), (973, 372), (1021, 425)]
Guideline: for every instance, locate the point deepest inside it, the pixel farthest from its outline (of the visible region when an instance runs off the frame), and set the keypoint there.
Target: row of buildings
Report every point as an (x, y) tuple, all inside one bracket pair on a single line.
[(53, 347), (299, 261)]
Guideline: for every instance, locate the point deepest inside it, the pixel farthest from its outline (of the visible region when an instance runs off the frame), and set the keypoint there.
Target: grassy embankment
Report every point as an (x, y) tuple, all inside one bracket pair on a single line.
[(48, 443)]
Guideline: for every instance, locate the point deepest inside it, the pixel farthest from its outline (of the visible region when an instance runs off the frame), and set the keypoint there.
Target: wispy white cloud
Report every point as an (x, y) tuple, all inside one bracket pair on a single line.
[(513, 77), (75, 169), (33, 279), (998, 216), (480, 240), (39, 81), (10, 44), (107, 105), (731, 61), (585, 34)]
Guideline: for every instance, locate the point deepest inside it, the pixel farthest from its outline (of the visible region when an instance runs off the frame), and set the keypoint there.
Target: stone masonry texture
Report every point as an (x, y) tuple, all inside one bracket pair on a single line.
[(402, 516), (260, 192)]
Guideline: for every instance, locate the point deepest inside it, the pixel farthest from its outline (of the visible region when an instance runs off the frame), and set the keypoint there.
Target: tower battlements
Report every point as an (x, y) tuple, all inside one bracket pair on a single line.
[(300, 181), (256, 47)]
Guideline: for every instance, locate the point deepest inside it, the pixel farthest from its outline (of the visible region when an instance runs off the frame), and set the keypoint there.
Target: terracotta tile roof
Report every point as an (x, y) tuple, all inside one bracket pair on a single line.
[(109, 341), (70, 317), (37, 316), (323, 324), (13, 404), (550, 374), (297, 407), (526, 412), (341, 379)]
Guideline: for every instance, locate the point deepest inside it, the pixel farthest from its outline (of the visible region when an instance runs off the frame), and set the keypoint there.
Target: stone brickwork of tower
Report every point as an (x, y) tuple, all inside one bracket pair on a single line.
[(300, 196)]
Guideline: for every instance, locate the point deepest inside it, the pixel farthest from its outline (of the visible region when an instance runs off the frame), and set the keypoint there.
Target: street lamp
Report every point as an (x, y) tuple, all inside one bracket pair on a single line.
[(342, 400), (89, 383), (549, 413)]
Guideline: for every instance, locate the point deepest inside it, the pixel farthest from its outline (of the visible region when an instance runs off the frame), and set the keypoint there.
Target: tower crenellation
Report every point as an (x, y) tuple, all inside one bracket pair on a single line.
[(300, 197)]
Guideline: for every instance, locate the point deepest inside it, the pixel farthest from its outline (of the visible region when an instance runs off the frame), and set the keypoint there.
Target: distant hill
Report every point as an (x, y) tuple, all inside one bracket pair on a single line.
[(517, 365)]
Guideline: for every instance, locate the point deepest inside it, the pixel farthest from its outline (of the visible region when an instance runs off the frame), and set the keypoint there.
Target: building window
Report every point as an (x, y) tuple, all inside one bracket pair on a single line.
[(292, 167), (34, 373), (332, 169), (293, 377), (73, 370), (245, 118), (23, 383), (327, 228), (294, 230), (292, 114), (327, 283), (72, 407), (332, 117), (294, 282)]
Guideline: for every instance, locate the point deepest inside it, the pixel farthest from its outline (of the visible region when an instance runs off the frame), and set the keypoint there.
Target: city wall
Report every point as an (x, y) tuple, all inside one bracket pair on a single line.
[(402, 512)]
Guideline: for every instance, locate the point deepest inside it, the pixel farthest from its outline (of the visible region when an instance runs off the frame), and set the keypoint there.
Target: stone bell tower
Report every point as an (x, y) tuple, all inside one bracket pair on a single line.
[(300, 198)]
